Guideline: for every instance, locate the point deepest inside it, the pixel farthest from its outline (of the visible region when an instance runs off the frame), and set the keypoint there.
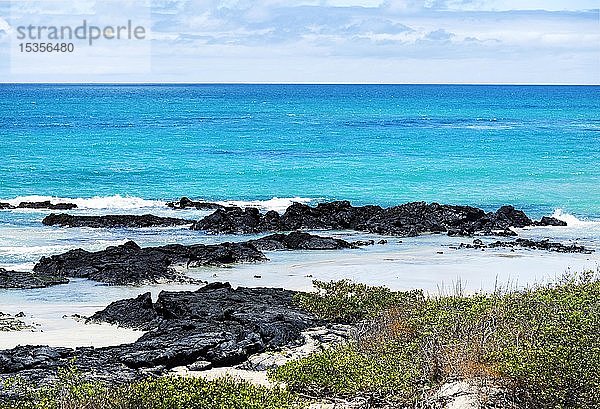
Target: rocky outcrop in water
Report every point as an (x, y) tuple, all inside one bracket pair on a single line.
[(235, 220), (47, 205), (410, 219), (186, 203), (39, 205), (546, 245), (28, 280), (110, 221), (299, 241), (217, 325), (129, 264), (550, 221)]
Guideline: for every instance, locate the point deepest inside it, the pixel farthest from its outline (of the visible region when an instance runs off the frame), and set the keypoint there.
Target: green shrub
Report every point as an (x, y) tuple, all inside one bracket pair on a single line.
[(347, 370), (408, 347), (347, 302), (71, 392), (191, 393), (542, 344), (548, 343)]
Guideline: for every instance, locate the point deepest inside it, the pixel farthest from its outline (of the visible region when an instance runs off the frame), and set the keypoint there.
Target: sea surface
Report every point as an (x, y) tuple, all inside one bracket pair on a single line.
[(129, 148), (537, 147)]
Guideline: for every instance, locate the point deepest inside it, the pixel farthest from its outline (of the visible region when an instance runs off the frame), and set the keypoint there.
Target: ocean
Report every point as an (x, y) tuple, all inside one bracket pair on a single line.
[(536, 147), (129, 148)]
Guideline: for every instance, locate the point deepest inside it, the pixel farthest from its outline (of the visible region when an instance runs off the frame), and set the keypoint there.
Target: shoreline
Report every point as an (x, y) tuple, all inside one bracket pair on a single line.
[(61, 327), (434, 263)]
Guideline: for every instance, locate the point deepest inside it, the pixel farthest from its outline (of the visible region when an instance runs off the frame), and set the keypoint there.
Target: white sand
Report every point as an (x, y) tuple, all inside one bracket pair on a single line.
[(406, 267), (55, 329)]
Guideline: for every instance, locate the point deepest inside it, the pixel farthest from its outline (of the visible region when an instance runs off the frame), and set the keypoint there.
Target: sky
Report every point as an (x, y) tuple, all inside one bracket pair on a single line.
[(318, 41)]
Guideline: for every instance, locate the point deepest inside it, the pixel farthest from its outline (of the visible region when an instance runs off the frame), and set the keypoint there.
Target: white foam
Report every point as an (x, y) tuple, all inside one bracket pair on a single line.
[(279, 204), (571, 220), (97, 202), (25, 250)]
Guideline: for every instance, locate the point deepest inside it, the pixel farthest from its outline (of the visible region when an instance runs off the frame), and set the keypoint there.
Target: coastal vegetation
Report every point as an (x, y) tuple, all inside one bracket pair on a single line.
[(72, 391), (539, 346), (534, 348)]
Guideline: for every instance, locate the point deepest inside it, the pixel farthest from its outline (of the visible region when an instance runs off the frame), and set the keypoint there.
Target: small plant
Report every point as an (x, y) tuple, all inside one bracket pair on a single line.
[(197, 393), (347, 302)]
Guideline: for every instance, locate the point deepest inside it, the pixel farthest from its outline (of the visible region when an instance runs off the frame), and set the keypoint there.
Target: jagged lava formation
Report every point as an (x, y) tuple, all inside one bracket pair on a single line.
[(215, 326), (410, 219)]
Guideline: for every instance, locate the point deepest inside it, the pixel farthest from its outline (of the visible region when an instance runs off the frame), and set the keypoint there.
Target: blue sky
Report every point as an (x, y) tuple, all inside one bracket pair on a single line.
[(355, 41)]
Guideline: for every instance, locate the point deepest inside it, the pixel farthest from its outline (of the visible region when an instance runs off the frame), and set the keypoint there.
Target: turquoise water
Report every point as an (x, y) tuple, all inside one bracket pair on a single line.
[(537, 147)]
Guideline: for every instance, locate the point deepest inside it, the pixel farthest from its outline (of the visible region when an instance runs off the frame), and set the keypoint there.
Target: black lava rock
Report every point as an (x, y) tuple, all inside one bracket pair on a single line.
[(28, 280), (546, 245), (109, 221), (299, 241), (46, 205), (129, 264), (410, 219), (550, 221), (216, 325), (138, 313), (234, 220)]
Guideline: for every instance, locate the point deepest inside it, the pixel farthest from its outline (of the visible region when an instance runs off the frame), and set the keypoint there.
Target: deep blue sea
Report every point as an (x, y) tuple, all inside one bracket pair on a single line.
[(537, 147)]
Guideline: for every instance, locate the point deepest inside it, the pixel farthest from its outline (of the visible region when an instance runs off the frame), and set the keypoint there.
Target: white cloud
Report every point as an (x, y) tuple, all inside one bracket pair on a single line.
[(278, 39)]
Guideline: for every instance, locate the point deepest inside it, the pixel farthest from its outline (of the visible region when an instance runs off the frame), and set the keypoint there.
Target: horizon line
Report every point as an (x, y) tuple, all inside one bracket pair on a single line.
[(307, 83)]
